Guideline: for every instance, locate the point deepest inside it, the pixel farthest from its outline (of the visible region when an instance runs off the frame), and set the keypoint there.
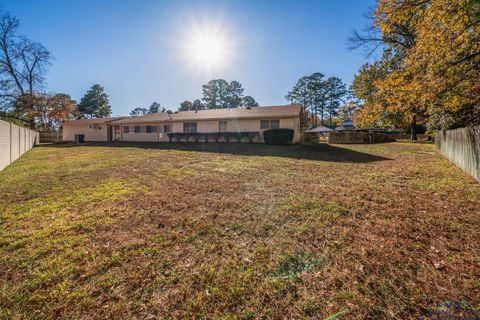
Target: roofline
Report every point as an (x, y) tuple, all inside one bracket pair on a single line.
[(124, 121), (93, 119)]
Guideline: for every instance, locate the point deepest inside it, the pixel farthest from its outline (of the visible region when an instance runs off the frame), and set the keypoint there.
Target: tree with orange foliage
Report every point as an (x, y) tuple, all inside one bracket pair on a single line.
[(437, 44), (47, 110)]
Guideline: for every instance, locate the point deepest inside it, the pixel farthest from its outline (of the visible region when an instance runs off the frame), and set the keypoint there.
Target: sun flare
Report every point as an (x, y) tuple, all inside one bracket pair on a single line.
[(208, 49)]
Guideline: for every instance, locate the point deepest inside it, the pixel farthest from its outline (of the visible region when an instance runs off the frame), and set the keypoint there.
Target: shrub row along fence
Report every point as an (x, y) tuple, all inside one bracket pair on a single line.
[(14, 141), (462, 147)]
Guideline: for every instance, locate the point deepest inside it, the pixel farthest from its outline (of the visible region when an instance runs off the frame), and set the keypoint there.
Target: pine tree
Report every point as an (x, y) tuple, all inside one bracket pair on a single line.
[(94, 103)]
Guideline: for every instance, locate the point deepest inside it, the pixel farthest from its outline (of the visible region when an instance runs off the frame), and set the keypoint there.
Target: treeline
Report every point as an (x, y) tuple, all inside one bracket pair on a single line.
[(322, 98), (429, 70), (220, 94), (217, 94), (153, 108)]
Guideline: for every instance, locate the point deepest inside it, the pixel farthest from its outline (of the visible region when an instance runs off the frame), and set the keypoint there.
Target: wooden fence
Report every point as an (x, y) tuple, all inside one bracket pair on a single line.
[(14, 141), (358, 137), (462, 147), (46, 136)]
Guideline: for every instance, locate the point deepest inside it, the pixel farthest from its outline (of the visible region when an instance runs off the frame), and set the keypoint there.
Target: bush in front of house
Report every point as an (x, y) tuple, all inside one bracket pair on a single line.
[(278, 136)]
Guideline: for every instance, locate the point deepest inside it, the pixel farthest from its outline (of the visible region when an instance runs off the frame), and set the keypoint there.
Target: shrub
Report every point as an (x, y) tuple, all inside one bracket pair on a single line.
[(278, 136)]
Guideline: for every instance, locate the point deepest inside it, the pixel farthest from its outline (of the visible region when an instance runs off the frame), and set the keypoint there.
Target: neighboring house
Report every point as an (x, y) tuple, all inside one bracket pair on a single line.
[(200, 125), (346, 125), (97, 129)]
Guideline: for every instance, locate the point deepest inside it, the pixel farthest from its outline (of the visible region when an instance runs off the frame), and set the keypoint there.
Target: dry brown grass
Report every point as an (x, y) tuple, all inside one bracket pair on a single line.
[(236, 232)]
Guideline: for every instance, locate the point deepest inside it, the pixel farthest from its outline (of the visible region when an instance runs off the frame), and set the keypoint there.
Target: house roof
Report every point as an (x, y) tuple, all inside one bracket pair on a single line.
[(93, 121), (319, 129), (151, 117), (285, 111)]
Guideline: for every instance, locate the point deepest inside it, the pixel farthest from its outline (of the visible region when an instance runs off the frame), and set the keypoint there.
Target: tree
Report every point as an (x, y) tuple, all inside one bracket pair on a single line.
[(398, 35), (94, 103), (198, 105), (235, 94), (249, 102), (49, 110), (221, 94), (373, 110), (436, 44), (212, 95), (336, 90), (347, 111), (137, 112), (154, 107), (61, 107), (23, 63), (186, 106), (318, 90), (312, 93), (300, 94)]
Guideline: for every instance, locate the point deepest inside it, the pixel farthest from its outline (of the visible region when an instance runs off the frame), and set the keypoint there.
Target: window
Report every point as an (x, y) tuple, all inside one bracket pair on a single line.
[(95, 126), (151, 129), (222, 126), (269, 124), (166, 128), (139, 129), (189, 127), (274, 124), (126, 129), (264, 124)]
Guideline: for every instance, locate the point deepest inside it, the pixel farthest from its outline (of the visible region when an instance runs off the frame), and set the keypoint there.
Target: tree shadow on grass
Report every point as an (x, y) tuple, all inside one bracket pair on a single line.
[(321, 152)]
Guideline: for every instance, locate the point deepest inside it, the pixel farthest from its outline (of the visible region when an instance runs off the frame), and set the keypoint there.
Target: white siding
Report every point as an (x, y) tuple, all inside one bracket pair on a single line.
[(91, 134)]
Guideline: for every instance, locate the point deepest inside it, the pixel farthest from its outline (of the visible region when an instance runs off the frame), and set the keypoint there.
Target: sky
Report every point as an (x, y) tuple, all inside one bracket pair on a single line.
[(145, 51)]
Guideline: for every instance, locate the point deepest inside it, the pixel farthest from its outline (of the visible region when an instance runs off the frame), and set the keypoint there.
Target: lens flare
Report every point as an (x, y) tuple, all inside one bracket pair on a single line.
[(207, 48)]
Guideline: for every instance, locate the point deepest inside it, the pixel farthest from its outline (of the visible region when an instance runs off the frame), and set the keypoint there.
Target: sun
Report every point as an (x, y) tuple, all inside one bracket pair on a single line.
[(208, 49)]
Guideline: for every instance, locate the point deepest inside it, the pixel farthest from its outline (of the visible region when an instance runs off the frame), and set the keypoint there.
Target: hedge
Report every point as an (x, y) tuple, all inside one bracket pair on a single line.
[(278, 136)]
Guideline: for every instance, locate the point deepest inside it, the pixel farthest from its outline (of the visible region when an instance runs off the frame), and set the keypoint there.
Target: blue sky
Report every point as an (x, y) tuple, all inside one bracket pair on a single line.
[(138, 50)]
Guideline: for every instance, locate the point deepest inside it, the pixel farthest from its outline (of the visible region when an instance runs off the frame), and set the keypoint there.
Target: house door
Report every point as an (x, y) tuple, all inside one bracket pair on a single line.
[(116, 133), (109, 133)]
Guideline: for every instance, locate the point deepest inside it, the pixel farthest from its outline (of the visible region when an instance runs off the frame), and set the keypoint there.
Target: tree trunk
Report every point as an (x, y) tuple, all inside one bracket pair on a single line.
[(322, 116), (413, 129)]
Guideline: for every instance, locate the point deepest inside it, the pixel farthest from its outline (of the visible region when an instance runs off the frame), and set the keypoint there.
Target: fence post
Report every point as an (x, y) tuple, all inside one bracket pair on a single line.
[(19, 154), (10, 138)]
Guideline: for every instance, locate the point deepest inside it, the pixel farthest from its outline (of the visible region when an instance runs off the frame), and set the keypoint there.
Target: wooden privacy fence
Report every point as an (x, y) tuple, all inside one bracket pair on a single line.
[(358, 137), (14, 141), (47, 136), (462, 147)]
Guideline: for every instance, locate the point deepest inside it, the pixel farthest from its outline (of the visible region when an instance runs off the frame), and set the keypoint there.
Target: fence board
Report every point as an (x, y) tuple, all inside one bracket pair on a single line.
[(462, 147), (4, 144), (21, 140), (14, 142)]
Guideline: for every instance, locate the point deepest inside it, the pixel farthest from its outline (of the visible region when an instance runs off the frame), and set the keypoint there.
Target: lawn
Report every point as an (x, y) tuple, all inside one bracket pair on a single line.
[(236, 232)]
